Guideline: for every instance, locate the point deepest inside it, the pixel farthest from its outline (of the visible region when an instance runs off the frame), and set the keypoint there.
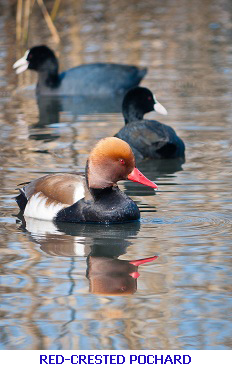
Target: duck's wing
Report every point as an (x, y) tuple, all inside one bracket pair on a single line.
[(44, 197), (152, 139)]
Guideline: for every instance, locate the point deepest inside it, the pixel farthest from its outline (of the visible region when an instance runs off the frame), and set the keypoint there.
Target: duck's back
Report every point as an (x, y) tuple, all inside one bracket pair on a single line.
[(51, 190), (152, 139), (98, 78)]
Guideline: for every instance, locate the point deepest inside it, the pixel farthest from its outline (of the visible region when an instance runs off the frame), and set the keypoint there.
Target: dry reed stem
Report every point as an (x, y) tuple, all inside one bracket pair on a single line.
[(26, 20), (55, 9), (19, 20), (49, 21), (23, 13)]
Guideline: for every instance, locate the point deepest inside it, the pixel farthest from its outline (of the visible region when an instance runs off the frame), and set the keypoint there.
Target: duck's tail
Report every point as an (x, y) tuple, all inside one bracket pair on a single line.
[(21, 200)]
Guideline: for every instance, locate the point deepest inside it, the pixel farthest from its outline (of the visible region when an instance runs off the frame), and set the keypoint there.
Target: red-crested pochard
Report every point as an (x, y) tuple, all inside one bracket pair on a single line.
[(93, 198)]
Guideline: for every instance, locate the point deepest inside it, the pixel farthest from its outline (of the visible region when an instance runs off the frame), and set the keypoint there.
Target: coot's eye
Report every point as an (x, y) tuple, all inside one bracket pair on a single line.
[(149, 98), (122, 161)]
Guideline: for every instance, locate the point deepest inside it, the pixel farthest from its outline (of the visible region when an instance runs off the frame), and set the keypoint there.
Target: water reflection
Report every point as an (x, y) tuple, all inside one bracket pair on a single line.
[(51, 108), (184, 298), (101, 244), (109, 276)]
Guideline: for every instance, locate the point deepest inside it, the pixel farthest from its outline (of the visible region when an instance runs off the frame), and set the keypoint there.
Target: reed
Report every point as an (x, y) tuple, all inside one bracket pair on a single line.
[(23, 15)]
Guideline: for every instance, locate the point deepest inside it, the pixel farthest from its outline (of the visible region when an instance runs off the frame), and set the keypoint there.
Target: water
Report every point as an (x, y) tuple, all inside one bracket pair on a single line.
[(69, 288)]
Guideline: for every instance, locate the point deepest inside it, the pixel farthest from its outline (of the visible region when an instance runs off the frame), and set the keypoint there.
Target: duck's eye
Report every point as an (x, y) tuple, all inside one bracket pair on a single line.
[(122, 161)]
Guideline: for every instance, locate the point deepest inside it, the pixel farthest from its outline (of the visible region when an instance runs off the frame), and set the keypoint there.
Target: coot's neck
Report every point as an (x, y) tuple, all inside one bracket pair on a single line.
[(48, 74), (132, 113)]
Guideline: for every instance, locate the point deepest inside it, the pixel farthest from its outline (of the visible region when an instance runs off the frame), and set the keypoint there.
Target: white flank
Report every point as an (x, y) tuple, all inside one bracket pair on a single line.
[(22, 64), (159, 108), (80, 249), (40, 227), (37, 208), (79, 192)]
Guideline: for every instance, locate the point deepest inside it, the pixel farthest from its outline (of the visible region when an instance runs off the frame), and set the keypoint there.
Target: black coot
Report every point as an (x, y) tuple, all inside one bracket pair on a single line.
[(88, 79), (148, 138)]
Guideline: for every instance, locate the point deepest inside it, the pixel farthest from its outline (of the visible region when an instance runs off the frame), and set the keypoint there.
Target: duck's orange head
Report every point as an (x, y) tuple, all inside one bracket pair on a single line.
[(112, 160)]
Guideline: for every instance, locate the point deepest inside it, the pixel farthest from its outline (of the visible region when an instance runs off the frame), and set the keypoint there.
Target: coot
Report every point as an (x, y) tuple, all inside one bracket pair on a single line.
[(148, 138), (87, 79)]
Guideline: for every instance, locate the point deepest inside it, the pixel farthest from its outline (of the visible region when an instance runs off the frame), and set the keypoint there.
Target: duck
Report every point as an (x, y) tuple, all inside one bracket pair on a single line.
[(93, 198), (85, 80), (148, 139)]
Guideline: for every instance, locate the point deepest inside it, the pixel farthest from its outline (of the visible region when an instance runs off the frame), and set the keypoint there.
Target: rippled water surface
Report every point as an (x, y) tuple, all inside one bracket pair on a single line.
[(70, 288)]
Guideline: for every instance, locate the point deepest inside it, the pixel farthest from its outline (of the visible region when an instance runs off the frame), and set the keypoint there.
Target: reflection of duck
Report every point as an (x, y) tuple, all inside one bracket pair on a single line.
[(109, 276), (101, 244), (147, 138), (97, 198), (89, 79), (68, 239)]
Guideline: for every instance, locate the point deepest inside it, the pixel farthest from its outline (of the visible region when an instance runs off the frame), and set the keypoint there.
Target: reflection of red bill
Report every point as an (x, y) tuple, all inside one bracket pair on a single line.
[(109, 276), (143, 260), (135, 274)]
